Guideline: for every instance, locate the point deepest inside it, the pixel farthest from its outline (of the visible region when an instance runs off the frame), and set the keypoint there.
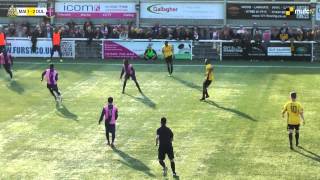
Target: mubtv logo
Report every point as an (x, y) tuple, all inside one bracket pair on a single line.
[(298, 11), (81, 8), (160, 9)]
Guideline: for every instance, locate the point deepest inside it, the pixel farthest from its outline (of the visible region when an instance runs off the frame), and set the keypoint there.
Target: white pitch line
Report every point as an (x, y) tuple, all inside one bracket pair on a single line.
[(187, 65)]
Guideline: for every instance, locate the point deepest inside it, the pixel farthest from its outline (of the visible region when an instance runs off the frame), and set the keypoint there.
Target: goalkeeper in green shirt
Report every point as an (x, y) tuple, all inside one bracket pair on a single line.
[(150, 54)]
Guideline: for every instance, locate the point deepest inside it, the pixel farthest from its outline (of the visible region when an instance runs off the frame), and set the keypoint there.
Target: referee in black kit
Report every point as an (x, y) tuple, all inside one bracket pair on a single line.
[(164, 139)]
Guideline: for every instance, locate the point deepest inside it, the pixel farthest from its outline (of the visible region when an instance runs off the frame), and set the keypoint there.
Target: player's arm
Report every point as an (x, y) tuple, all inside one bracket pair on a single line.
[(157, 138), (302, 116), (284, 110), (101, 116), (122, 72), (56, 78), (116, 114), (154, 52), (133, 71), (44, 73)]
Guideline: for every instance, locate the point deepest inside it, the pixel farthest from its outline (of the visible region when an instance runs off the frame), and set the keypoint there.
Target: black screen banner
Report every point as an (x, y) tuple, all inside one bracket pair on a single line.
[(268, 11), (284, 51)]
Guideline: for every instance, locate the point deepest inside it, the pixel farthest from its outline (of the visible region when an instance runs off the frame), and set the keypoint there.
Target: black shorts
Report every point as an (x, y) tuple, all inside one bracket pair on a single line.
[(296, 127), (207, 83), (110, 128), (52, 86), (168, 59), (132, 76), (2, 48), (56, 48), (162, 151), (7, 66)]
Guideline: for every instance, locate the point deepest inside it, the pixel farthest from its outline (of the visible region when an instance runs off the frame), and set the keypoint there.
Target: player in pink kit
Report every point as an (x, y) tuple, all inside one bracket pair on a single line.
[(129, 71), (110, 115), (6, 60), (51, 76)]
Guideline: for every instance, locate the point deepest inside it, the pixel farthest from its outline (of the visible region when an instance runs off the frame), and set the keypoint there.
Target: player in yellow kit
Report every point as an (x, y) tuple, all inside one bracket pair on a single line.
[(167, 51), (208, 79), (294, 111)]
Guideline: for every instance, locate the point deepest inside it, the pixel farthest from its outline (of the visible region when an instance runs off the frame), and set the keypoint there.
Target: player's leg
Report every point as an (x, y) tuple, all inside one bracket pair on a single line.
[(125, 83), (168, 65), (56, 90), (113, 133), (154, 57), (133, 77), (161, 157), (172, 163), (290, 131), (107, 132), (204, 90), (51, 91), (60, 53), (7, 67), (171, 65), (207, 86), (52, 52), (297, 127)]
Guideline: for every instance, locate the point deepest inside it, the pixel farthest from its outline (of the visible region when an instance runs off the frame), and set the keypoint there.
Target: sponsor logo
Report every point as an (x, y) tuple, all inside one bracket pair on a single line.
[(302, 11), (160, 9), (81, 8)]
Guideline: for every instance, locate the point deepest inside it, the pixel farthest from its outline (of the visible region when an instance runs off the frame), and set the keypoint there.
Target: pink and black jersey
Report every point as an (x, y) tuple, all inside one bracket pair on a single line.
[(110, 114), (51, 76), (128, 69)]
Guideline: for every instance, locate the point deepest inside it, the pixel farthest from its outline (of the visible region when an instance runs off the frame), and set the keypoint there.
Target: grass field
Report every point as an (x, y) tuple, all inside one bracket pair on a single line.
[(237, 134)]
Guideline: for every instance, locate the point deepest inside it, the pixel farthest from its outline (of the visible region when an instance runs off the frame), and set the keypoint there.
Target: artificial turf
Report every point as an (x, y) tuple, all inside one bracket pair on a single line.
[(238, 133)]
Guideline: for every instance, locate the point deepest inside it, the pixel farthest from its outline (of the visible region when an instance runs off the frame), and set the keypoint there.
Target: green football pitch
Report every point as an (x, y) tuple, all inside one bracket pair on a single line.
[(237, 134)]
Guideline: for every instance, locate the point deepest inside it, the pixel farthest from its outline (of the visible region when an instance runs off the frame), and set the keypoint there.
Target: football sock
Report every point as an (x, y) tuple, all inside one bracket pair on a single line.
[(297, 138), (162, 164), (290, 139), (173, 167)]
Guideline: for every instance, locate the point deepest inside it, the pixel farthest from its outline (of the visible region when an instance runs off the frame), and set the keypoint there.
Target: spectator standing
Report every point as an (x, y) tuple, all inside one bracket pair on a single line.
[(214, 34), (89, 34), (34, 36), (98, 33)]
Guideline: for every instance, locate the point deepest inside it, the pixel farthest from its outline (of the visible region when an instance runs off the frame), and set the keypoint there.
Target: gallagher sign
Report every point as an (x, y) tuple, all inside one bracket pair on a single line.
[(182, 11)]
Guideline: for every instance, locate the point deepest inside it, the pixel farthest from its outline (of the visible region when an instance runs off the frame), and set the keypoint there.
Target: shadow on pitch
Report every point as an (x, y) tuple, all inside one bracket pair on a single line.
[(133, 162), (16, 87), (237, 112), (306, 153), (65, 113), (188, 83), (144, 99)]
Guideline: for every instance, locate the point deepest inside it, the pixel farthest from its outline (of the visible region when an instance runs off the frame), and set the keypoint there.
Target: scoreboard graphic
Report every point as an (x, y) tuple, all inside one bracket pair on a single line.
[(26, 11)]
